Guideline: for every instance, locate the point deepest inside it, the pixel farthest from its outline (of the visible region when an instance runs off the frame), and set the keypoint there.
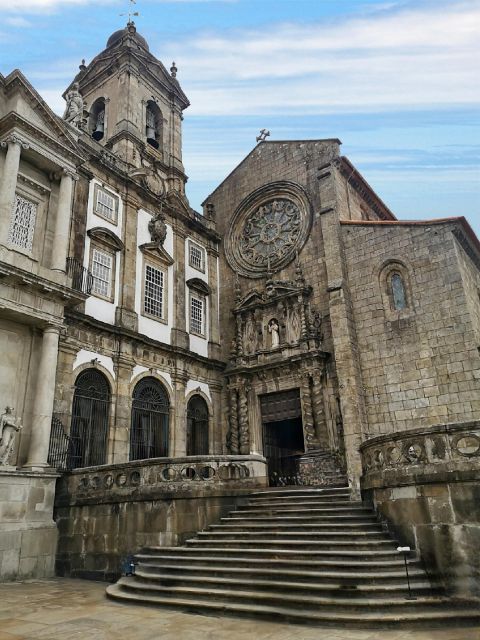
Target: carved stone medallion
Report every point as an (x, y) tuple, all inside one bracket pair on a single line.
[(268, 228)]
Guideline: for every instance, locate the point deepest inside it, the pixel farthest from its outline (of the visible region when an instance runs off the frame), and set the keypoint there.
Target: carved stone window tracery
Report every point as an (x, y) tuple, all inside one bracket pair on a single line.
[(269, 227)]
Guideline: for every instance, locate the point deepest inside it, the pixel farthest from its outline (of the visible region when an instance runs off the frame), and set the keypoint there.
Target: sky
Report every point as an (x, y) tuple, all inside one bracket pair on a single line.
[(398, 81)]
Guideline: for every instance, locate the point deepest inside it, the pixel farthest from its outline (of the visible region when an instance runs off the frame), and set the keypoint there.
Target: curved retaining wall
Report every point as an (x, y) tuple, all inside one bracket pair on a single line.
[(425, 484), (109, 512)]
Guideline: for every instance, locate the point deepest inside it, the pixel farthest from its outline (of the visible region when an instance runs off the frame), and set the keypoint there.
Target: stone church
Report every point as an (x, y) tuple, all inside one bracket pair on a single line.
[(160, 364)]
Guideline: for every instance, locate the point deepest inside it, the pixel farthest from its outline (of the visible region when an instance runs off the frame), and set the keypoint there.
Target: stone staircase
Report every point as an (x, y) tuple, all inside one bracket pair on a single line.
[(304, 555)]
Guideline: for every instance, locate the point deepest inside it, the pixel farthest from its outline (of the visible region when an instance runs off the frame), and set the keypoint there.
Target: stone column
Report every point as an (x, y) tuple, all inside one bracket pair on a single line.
[(180, 337), (214, 329), (308, 424), (243, 426), (43, 401), (8, 182), (319, 410), (233, 439), (62, 222)]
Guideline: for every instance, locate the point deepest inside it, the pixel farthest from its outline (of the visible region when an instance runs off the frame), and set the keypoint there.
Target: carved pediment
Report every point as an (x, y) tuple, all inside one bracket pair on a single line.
[(178, 202), (199, 285), (157, 252), (106, 237), (275, 290)]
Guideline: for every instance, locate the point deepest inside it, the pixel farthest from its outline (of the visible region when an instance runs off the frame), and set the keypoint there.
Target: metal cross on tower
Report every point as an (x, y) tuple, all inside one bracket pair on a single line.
[(264, 133)]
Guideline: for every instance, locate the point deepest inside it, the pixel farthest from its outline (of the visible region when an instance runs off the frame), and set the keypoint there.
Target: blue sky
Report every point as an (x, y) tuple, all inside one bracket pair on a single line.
[(397, 81)]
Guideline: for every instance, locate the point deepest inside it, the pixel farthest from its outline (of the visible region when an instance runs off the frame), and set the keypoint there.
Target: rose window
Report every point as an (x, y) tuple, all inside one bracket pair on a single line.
[(270, 232)]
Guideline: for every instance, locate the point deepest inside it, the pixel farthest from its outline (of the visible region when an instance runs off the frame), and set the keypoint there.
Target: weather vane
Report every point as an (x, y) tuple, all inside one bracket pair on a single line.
[(130, 12)]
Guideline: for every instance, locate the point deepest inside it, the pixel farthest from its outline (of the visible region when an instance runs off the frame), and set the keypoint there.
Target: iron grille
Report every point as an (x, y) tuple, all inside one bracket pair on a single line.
[(150, 420), (90, 416), (59, 447)]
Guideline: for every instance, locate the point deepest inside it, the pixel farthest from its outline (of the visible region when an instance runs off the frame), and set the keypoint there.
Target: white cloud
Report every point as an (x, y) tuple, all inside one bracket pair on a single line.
[(35, 6), (413, 57), (17, 21)]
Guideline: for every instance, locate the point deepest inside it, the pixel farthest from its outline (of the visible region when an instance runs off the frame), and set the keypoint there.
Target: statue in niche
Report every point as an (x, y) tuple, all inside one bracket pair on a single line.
[(250, 337), (8, 433), (157, 228), (274, 331), (75, 105), (294, 325)]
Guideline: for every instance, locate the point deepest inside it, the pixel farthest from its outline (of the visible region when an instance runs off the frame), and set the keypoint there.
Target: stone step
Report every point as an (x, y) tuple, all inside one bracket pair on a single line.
[(375, 554), (296, 543), (277, 587), (281, 505), (309, 603), (443, 611), (346, 510), (334, 519), (200, 558), (309, 575), (341, 530), (299, 491), (288, 497)]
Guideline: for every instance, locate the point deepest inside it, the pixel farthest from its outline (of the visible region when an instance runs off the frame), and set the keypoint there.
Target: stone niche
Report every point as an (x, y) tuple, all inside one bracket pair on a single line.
[(28, 534)]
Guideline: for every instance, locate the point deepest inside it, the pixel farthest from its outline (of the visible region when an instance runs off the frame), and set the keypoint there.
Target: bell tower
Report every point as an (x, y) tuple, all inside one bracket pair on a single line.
[(132, 106)]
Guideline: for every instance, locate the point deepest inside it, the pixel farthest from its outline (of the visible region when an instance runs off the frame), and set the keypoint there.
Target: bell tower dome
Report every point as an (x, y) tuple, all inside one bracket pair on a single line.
[(133, 106)]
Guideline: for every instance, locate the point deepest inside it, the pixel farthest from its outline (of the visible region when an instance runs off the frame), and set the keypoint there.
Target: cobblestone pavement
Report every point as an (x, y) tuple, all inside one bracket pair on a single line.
[(62, 609)]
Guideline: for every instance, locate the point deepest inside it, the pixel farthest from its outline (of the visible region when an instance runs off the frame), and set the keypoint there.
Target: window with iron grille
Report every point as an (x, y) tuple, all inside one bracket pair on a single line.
[(153, 297), (105, 204), (197, 257), (196, 315), (102, 270), (22, 225)]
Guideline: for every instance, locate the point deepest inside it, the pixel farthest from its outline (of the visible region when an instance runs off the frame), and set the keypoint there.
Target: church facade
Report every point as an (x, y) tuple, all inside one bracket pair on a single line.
[(163, 362)]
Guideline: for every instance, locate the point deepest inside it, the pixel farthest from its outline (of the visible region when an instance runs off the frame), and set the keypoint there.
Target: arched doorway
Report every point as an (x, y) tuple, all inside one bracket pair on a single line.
[(90, 414), (150, 420), (197, 427)]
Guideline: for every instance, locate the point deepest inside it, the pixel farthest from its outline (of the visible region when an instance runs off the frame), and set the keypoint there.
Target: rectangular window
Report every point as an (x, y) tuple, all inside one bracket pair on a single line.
[(196, 315), (153, 298), (102, 269), (106, 204), (196, 257), (22, 225)]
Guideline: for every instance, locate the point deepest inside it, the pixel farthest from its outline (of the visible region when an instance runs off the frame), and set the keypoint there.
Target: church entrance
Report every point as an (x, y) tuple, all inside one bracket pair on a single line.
[(282, 434)]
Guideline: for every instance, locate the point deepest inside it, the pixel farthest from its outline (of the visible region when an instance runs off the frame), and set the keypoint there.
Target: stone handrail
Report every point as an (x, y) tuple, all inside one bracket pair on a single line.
[(423, 450), (164, 476)]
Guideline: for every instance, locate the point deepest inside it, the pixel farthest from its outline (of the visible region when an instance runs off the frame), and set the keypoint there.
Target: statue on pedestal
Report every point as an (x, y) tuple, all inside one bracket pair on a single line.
[(74, 109), (8, 434)]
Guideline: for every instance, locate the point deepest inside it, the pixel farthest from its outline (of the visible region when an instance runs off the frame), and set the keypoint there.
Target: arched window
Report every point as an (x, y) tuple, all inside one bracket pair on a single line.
[(153, 124), (197, 427), (150, 420), (90, 414), (96, 121), (399, 295)]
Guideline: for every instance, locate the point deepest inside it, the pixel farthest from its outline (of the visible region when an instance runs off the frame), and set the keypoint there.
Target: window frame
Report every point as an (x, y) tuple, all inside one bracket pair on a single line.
[(154, 265), (95, 246), (195, 245), (31, 230), (101, 188), (199, 297)]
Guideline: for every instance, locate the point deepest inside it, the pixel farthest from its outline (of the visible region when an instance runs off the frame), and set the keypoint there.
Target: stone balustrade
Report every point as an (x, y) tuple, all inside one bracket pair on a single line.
[(164, 476), (429, 450)]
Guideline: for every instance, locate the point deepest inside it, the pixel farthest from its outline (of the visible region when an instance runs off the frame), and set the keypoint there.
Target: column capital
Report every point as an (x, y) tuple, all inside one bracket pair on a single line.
[(14, 139), (71, 173), (52, 328)]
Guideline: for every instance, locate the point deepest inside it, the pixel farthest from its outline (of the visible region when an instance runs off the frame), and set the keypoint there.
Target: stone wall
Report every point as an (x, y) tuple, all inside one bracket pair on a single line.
[(420, 366), (107, 513), (28, 535), (424, 484)]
